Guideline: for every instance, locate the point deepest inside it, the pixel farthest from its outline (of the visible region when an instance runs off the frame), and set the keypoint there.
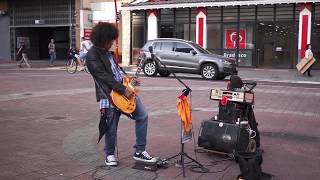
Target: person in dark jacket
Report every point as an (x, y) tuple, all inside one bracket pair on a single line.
[(108, 76)]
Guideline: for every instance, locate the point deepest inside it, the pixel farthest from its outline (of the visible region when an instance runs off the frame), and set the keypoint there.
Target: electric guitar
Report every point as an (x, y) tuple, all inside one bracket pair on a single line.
[(121, 102)]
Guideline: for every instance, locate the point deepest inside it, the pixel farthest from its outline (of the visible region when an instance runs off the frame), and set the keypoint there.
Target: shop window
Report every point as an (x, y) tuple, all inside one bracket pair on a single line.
[(316, 35), (284, 12), (166, 23), (193, 15), (246, 45), (182, 23), (297, 12), (247, 13), (138, 31), (316, 42), (265, 13), (317, 11), (214, 37), (214, 14), (230, 14), (193, 33)]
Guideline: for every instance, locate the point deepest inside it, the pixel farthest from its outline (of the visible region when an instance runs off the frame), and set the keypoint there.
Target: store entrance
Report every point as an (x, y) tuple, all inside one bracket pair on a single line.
[(274, 44)]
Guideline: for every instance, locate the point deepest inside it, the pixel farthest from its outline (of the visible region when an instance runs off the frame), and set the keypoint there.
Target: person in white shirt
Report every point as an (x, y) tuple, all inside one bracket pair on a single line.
[(85, 46), (309, 55)]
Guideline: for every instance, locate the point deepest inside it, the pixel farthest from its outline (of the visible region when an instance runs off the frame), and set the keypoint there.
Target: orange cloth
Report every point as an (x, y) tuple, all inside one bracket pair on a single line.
[(185, 113)]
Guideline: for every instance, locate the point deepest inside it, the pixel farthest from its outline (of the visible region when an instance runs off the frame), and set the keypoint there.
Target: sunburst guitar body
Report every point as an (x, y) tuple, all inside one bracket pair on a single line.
[(124, 104)]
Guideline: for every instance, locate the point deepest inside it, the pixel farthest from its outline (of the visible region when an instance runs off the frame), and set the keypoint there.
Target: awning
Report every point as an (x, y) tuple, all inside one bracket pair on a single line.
[(144, 4)]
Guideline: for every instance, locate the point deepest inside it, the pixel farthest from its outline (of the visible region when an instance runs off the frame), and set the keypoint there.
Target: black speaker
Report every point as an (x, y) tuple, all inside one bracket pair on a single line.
[(222, 137)]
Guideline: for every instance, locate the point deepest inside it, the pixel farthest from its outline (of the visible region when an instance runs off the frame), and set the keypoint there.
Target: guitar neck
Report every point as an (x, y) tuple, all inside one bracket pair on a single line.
[(139, 69)]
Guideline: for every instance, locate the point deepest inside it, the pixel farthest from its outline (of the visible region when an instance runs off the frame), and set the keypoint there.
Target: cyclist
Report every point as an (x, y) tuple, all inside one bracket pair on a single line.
[(85, 46)]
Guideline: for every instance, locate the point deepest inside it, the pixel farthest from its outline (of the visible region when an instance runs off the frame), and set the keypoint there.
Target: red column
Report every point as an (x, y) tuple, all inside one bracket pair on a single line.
[(201, 27), (304, 28)]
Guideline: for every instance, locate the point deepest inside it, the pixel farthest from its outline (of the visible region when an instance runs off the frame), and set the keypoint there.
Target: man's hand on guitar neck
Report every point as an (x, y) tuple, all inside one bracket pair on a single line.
[(135, 81), (129, 93)]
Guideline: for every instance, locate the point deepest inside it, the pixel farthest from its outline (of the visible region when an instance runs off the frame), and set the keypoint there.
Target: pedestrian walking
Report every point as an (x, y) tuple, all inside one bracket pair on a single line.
[(24, 57), (308, 55), (85, 46), (52, 51)]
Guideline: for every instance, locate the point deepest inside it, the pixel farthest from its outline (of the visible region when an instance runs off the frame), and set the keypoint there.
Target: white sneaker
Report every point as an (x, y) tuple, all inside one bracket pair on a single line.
[(145, 157), (111, 161)]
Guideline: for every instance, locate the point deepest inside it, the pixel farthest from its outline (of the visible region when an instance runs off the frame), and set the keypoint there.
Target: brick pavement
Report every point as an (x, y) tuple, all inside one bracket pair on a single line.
[(257, 74), (49, 119)]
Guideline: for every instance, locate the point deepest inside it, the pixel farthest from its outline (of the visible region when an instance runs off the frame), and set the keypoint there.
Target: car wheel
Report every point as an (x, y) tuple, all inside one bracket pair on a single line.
[(164, 73), (209, 71), (150, 68)]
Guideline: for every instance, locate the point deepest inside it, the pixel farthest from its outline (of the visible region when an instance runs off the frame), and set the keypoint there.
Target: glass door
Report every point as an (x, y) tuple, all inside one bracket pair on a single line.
[(274, 44), (283, 45), (265, 44)]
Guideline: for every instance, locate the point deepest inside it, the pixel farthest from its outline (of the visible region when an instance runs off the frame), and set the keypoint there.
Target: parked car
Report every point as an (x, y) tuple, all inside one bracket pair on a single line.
[(181, 56)]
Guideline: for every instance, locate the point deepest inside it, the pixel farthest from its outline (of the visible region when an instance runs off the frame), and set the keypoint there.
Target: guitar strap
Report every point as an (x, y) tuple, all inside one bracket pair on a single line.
[(100, 87), (103, 91)]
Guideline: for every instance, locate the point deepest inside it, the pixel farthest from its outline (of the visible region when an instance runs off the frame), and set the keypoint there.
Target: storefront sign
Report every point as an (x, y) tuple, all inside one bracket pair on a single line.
[(233, 55), (231, 38), (245, 57), (87, 33)]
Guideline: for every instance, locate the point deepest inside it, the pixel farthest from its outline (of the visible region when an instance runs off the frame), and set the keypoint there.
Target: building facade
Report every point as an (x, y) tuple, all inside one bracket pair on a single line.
[(4, 30), (264, 34), (35, 22)]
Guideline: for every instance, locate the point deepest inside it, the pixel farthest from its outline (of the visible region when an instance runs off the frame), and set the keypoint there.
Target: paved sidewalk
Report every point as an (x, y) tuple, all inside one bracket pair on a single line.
[(49, 122), (256, 74)]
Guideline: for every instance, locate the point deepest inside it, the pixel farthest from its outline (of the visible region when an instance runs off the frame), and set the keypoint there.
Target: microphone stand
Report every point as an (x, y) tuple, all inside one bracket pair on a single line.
[(185, 93)]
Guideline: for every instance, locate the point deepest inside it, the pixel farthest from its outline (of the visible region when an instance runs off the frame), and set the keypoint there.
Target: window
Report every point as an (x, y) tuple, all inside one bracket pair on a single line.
[(284, 12), (167, 46), (214, 36), (247, 13), (157, 46), (214, 14), (184, 48), (230, 14), (265, 13), (182, 23), (166, 23)]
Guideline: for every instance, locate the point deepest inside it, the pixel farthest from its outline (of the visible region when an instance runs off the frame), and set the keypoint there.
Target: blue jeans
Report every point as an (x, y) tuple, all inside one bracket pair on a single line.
[(112, 116), (52, 57)]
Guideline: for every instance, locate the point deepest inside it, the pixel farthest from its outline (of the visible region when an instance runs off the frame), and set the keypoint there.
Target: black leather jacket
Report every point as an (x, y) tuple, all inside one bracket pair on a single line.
[(100, 68)]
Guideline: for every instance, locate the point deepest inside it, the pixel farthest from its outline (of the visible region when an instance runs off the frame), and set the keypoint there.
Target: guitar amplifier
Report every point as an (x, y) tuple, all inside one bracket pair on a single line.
[(231, 112), (222, 137)]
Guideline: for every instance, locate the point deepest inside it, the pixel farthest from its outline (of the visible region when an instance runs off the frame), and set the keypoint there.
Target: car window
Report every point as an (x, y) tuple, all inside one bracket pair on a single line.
[(200, 49), (182, 47), (146, 46), (156, 45), (167, 46)]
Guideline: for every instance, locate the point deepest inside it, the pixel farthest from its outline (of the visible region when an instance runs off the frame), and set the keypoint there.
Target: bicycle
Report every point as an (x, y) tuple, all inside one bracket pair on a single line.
[(72, 63)]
